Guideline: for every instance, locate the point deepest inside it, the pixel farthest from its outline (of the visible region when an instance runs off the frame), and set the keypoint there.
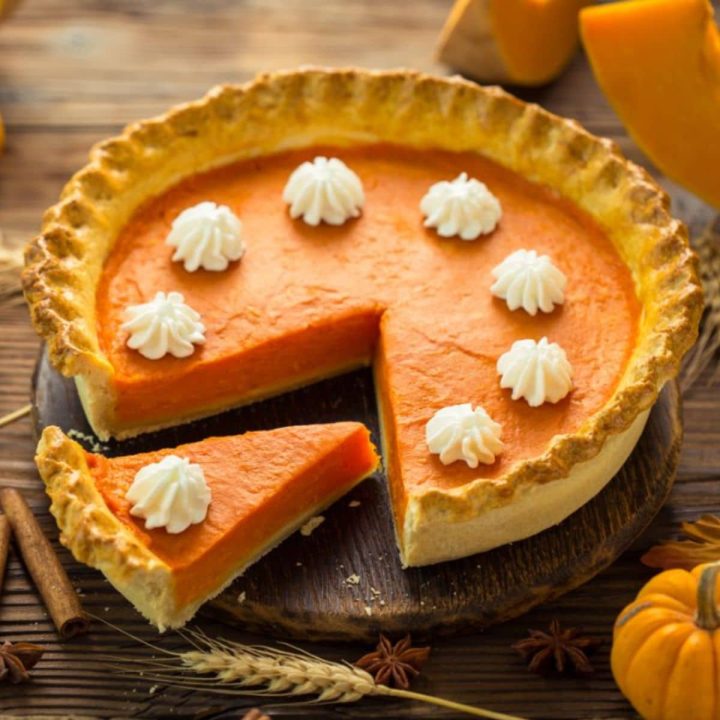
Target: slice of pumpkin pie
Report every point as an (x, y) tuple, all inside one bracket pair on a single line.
[(170, 529)]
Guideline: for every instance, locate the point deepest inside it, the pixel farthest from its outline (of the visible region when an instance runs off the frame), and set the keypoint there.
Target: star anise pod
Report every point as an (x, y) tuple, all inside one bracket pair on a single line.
[(17, 659), (394, 665), (564, 649)]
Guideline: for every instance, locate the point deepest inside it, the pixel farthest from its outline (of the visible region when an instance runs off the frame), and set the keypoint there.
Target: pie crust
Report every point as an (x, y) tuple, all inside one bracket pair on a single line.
[(310, 107)]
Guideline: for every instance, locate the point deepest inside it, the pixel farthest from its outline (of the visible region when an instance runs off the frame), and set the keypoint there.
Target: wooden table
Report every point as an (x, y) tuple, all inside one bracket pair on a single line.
[(72, 73)]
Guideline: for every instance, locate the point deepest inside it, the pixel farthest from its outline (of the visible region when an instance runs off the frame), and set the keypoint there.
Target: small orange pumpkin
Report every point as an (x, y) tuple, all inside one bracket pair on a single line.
[(666, 646)]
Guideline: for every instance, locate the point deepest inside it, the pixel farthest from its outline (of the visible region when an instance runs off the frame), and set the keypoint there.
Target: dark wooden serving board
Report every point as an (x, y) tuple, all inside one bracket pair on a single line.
[(344, 581)]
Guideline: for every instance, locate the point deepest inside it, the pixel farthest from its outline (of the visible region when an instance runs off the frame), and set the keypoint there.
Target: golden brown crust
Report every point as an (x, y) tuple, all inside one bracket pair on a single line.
[(95, 536), (312, 106)]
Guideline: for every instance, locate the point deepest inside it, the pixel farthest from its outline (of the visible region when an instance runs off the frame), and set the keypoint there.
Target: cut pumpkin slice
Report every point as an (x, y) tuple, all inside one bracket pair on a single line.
[(658, 63), (264, 486), (521, 42)]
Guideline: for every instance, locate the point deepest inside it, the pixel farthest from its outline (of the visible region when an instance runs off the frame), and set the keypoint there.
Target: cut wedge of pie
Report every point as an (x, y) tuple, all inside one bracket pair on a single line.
[(396, 284), (263, 486)]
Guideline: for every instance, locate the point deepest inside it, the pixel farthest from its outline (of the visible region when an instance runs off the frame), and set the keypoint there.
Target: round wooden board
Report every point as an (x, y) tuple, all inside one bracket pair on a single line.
[(345, 581)]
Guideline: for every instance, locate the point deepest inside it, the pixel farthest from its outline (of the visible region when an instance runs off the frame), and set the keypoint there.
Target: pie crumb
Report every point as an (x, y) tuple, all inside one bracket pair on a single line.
[(307, 529), (368, 610), (353, 579), (241, 598), (354, 503)]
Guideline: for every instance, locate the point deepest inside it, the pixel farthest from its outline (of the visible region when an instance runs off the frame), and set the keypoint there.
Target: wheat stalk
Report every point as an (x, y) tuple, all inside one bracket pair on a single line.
[(707, 246), (15, 415), (229, 668), (275, 671)]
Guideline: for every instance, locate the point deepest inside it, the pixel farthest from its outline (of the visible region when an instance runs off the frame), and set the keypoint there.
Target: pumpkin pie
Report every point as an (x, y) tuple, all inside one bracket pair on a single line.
[(262, 486), (394, 285)]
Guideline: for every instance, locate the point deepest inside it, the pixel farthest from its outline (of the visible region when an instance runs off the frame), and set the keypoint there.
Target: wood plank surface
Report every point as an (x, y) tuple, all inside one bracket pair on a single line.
[(73, 72)]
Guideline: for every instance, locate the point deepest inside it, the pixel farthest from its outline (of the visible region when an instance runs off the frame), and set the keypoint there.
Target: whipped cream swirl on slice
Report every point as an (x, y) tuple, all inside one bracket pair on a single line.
[(171, 493), (458, 432), (163, 325), (324, 190), (207, 236), (463, 207), (530, 281), (537, 371)]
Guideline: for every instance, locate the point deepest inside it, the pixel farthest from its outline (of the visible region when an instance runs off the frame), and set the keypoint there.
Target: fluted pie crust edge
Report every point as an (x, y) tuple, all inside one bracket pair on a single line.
[(293, 109)]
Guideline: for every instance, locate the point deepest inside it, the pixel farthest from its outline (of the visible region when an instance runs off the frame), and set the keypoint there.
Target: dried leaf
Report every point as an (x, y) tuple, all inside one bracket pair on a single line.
[(702, 546)]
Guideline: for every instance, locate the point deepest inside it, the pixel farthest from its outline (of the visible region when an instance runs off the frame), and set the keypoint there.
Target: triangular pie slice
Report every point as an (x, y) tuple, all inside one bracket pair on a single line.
[(264, 486)]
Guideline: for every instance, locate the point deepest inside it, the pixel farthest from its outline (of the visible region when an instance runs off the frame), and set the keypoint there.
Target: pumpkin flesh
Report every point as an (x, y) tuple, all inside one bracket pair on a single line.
[(658, 63), (262, 483), (306, 303), (536, 38)]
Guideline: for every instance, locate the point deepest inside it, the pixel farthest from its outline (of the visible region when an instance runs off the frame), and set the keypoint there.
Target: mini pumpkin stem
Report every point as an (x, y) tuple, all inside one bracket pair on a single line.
[(708, 613)]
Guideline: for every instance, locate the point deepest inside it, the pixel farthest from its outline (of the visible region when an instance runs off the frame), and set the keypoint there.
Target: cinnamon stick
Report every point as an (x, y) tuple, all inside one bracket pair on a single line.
[(48, 574), (4, 546)]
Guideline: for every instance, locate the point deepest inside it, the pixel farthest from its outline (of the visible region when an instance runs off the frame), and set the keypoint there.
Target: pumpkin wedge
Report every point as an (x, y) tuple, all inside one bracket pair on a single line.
[(658, 63), (520, 42)]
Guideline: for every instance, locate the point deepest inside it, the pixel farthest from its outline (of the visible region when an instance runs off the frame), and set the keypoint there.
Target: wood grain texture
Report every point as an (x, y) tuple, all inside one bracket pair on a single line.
[(301, 590), (72, 73)]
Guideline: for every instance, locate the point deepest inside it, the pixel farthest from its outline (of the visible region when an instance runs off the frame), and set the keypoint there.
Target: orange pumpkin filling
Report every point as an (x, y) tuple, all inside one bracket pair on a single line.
[(262, 483), (306, 302)]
